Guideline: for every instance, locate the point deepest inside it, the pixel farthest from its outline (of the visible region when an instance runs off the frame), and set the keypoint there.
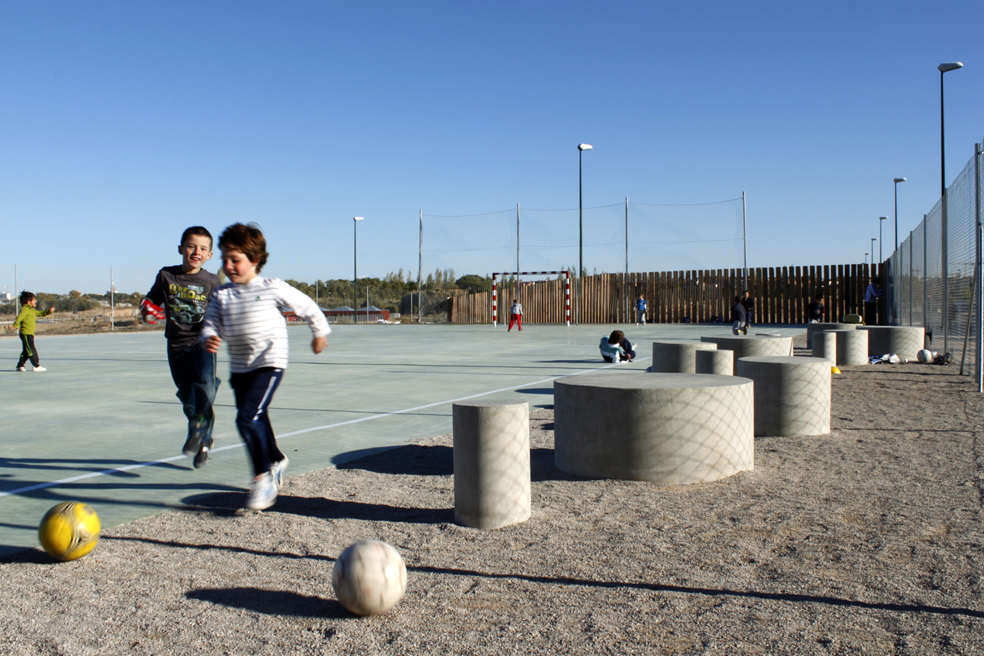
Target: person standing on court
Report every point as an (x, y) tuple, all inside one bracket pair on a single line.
[(515, 315), (26, 321), (640, 308), (749, 305), (871, 296), (738, 317)]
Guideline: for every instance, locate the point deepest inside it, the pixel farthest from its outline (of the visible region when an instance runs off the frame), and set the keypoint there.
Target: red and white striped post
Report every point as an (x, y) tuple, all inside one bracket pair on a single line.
[(495, 302)]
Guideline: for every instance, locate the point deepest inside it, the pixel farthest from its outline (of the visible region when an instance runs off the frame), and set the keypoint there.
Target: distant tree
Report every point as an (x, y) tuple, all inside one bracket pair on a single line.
[(473, 284)]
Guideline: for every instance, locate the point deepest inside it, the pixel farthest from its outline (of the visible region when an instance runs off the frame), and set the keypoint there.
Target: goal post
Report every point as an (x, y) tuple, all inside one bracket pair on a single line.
[(567, 290)]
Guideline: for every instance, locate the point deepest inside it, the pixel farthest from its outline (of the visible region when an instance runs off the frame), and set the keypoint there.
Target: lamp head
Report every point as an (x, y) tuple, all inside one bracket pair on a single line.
[(882, 218), (358, 218), (898, 180), (584, 147), (952, 66)]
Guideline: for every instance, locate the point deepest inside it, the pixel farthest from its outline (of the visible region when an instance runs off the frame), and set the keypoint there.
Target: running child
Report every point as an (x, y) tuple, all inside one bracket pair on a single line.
[(640, 307), (27, 322), (180, 297), (246, 314)]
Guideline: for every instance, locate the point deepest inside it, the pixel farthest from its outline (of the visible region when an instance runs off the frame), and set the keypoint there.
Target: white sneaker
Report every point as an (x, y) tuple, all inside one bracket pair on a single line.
[(21, 369), (264, 492), (277, 471), (40, 369)]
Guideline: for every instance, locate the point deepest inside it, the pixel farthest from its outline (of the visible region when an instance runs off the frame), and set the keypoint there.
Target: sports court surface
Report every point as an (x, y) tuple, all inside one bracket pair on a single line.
[(103, 426)]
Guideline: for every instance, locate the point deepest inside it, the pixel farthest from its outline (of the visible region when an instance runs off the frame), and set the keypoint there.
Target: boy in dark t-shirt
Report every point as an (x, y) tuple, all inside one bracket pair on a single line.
[(180, 295)]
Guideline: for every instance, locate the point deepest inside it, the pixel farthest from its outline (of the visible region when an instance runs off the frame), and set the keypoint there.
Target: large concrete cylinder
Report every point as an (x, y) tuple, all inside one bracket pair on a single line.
[(792, 394), (663, 428), (904, 341), (750, 345), (852, 346), (719, 363), (677, 356), (491, 463), (825, 346), (813, 328)]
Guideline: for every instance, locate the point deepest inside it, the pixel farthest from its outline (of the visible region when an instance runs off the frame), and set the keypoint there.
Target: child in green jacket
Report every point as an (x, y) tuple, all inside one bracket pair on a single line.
[(26, 320)]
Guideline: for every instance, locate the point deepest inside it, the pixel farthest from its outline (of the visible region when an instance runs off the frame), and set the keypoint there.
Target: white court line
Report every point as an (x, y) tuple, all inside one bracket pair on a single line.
[(151, 463)]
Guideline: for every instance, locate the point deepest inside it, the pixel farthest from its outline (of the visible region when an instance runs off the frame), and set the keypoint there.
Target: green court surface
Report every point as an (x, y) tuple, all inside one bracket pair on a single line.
[(103, 426)]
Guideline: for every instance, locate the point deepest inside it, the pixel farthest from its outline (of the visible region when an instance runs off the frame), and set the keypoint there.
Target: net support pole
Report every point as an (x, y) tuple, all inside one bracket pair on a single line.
[(517, 249), (625, 279), (16, 294), (420, 267), (112, 300), (744, 245), (979, 277), (925, 272), (912, 274)]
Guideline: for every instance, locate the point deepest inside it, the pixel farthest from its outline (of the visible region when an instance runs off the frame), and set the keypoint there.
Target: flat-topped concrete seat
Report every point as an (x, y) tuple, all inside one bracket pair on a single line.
[(792, 394), (749, 345), (663, 428), (852, 346), (904, 341), (715, 361), (812, 328), (677, 356), (825, 345)]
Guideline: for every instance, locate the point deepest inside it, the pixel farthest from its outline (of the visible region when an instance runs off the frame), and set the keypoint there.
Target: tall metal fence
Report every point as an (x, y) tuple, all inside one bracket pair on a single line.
[(935, 275)]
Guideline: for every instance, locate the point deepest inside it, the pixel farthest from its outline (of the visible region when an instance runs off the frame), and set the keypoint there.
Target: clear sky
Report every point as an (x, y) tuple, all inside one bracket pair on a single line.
[(122, 123)]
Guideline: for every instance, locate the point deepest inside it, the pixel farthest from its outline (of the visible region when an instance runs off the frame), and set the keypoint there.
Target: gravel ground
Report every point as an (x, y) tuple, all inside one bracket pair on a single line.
[(866, 540)]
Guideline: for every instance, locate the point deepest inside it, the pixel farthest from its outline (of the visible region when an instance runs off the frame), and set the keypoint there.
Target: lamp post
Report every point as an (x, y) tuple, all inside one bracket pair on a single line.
[(355, 271), (880, 219), (944, 68), (580, 228), (897, 181), (873, 253)]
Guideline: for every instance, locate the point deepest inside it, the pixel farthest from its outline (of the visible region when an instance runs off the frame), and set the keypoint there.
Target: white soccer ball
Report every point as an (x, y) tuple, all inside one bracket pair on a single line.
[(925, 355), (369, 578)]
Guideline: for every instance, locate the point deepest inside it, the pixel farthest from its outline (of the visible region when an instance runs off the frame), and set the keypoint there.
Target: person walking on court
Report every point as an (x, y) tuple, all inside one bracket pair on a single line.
[(515, 315), (247, 315), (871, 296), (749, 305), (179, 296), (27, 322), (738, 317), (640, 308)]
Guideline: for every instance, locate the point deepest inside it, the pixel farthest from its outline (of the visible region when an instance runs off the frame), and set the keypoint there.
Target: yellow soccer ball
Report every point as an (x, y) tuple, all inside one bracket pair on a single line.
[(69, 530), (835, 370)]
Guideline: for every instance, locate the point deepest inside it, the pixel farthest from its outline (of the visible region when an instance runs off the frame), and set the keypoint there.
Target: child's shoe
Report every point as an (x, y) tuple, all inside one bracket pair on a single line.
[(21, 369), (277, 471), (39, 368), (202, 456), (197, 429), (263, 494)]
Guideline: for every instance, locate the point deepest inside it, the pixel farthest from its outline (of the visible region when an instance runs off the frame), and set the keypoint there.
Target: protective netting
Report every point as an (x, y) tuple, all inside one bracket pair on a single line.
[(631, 237)]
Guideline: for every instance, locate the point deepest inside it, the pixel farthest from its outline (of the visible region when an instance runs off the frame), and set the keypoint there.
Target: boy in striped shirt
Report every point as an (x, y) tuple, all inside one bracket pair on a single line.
[(246, 315)]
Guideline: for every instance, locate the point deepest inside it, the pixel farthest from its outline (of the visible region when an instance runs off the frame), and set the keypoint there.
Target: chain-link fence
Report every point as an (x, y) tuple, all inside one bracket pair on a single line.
[(935, 275)]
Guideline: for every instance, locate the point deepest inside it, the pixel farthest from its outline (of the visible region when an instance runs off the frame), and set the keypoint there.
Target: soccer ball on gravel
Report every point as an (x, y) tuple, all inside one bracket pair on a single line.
[(369, 577), (69, 530), (924, 355)]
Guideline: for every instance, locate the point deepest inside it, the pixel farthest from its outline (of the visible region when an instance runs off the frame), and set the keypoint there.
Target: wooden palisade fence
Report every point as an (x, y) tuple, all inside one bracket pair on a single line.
[(781, 295)]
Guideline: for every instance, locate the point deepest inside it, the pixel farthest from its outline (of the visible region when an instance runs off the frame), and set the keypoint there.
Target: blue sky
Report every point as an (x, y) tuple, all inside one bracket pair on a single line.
[(122, 123)]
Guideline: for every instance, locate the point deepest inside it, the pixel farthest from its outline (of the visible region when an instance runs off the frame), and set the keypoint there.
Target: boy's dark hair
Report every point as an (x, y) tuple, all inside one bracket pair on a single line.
[(248, 240), (616, 337), (819, 297), (197, 231), (26, 297)]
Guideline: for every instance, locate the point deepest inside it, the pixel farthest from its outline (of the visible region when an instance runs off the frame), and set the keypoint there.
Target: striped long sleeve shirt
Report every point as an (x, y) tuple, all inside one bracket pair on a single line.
[(249, 319)]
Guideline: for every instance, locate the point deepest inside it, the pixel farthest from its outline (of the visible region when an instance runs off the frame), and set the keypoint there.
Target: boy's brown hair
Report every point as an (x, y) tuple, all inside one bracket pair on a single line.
[(197, 231), (26, 297), (616, 337), (248, 240)]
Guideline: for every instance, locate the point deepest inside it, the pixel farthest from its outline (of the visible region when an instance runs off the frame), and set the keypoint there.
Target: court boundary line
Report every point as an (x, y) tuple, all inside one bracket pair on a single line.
[(153, 463)]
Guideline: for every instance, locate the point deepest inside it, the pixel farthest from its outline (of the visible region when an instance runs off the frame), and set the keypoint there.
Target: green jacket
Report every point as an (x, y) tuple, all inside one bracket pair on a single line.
[(27, 319)]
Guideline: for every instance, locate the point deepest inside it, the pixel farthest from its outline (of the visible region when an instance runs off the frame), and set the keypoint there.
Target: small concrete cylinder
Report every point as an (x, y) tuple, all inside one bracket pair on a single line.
[(677, 356), (792, 394), (852, 346), (663, 428), (825, 346), (491, 463), (813, 328), (749, 345), (719, 363), (903, 341)]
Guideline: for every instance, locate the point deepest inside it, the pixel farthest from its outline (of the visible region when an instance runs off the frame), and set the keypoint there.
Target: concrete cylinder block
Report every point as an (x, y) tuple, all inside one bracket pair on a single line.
[(663, 428), (813, 328), (792, 394), (491, 463), (719, 363), (751, 345), (904, 341), (825, 346), (677, 356), (852, 346)]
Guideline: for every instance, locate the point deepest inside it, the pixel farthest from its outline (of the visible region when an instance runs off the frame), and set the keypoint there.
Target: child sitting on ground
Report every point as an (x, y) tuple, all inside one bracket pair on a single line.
[(616, 348)]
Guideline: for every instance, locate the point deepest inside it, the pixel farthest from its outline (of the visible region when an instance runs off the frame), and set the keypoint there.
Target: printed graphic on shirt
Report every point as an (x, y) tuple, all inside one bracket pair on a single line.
[(187, 304)]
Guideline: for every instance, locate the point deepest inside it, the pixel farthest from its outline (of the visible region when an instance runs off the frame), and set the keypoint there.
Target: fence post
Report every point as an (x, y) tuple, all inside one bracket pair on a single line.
[(744, 245), (979, 278), (925, 272)]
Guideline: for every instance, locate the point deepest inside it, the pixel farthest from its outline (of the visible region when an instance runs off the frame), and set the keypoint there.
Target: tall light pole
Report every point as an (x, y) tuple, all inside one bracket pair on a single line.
[(873, 254), (580, 228), (880, 219), (355, 271), (897, 181), (944, 68)]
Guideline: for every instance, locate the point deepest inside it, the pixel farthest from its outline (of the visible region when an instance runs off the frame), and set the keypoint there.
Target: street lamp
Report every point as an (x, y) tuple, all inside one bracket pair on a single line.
[(944, 68), (355, 272), (873, 254), (580, 227), (897, 181), (880, 219)]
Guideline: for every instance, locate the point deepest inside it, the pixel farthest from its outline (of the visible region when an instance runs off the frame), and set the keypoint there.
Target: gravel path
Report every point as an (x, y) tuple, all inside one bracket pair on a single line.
[(866, 540)]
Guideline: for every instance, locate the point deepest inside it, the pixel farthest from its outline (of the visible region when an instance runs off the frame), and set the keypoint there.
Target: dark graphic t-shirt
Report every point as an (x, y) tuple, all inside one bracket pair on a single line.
[(184, 297)]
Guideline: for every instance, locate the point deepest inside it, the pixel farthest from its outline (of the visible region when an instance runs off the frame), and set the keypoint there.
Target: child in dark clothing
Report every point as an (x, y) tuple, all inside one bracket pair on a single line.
[(616, 348), (738, 317)]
